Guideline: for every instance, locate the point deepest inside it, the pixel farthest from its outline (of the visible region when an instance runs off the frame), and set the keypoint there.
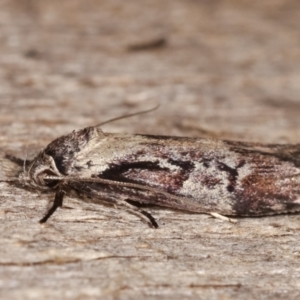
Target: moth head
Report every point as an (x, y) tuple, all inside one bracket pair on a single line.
[(37, 172), (66, 148), (57, 158)]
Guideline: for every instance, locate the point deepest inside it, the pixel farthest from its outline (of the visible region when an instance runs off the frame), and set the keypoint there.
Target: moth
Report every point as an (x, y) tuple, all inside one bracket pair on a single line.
[(218, 177)]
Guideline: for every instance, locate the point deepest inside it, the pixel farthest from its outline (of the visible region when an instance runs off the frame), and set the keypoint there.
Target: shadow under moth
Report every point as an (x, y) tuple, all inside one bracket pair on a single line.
[(222, 178)]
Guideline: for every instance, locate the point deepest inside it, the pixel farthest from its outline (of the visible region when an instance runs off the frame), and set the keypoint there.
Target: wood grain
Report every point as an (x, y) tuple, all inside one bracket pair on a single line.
[(229, 69)]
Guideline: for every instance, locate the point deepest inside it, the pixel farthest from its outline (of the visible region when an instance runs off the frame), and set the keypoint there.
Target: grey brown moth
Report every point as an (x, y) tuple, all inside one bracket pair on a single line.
[(189, 174)]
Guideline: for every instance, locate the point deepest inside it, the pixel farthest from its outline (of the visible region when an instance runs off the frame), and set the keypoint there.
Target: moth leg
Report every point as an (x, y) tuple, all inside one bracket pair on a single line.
[(145, 216), (221, 217), (58, 201)]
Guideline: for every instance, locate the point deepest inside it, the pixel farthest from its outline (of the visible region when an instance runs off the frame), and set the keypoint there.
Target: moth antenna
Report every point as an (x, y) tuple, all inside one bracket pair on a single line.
[(129, 115)]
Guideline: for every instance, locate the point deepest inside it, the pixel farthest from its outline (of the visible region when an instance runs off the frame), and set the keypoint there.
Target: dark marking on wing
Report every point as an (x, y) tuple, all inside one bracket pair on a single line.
[(78, 168), (187, 166), (232, 174), (116, 171), (90, 164)]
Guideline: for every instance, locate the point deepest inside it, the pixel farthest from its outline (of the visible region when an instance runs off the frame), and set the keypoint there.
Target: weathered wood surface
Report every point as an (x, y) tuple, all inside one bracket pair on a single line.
[(228, 69)]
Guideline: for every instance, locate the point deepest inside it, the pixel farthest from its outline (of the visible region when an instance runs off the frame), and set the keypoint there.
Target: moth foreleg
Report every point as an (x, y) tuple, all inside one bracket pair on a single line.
[(58, 201), (145, 216), (150, 217)]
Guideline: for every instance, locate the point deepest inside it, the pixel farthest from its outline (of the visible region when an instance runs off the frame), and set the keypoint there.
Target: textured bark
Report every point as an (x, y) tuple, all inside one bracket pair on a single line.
[(226, 69)]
